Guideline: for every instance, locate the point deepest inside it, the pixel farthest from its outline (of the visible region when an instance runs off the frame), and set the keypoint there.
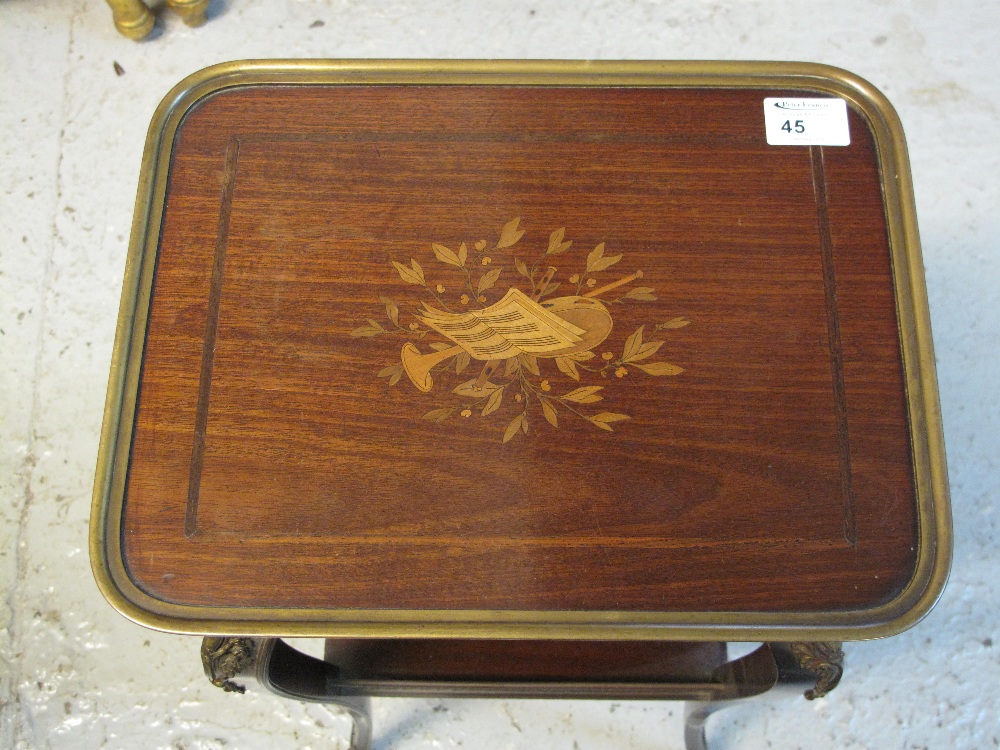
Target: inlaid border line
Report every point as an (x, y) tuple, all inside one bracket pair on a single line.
[(818, 172), (833, 334), (211, 329)]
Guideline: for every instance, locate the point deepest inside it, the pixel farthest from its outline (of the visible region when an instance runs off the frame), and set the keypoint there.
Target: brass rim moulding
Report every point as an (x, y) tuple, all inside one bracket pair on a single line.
[(930, 477)]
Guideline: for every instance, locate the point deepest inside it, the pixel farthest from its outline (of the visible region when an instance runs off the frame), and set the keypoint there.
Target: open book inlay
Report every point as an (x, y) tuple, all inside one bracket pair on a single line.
[(516, 324)]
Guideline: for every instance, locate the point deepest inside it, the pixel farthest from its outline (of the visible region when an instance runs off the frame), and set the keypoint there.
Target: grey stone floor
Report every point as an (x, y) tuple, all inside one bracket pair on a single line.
[(75, 674)]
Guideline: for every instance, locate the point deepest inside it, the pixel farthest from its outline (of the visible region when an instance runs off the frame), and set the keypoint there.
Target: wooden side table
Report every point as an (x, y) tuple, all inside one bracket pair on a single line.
[(523, 378)]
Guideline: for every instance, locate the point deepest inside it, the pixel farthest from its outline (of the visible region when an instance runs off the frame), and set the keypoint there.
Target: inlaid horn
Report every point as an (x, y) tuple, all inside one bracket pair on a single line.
[(418, 366)]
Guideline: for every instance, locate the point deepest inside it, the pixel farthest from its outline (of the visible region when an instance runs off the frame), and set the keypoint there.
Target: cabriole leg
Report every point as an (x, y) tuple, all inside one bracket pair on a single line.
[(285, 672), (811, 668), (695, 716)]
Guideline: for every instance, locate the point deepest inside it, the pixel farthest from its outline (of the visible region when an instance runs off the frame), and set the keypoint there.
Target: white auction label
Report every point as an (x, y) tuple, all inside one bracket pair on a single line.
[(806, 122)]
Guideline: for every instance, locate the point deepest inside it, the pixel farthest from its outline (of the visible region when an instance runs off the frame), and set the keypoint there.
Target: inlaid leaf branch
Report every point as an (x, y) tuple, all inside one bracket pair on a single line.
[(585, 395), (673, 324), (597, 261), (510, 234), (373, 328), (660, 368), (493, 402), (518, 423), (604, 419), (646, 351), (570, 402), (412, 274), (488, 280), (641, 293), (470, 389), (549, 288), (556, 244), (445, 255), (393, 372), (568, 367), (635, 350), (549, 412), (391, 309), (439, 415), (521, 267), (519, 386), (530, 363), (633, 343)]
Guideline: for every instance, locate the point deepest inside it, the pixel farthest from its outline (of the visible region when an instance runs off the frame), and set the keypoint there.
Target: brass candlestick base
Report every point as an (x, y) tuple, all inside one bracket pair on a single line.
[(192, 12), (132, 18)]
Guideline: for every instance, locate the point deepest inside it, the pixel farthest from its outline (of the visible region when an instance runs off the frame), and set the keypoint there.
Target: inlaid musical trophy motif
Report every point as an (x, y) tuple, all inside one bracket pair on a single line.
[(510, 338)]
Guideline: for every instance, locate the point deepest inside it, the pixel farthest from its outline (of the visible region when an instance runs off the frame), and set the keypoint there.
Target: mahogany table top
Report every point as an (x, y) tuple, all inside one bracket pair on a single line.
[(544, 351)]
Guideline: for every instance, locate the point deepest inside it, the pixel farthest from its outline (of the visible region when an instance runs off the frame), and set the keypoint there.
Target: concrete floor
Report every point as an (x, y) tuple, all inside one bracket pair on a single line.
[(75, 674)]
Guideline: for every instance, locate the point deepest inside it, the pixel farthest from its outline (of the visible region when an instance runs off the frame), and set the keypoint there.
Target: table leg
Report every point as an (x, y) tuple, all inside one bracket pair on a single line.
[(695, 716), (815, 666), (286, 672), (750, 676)]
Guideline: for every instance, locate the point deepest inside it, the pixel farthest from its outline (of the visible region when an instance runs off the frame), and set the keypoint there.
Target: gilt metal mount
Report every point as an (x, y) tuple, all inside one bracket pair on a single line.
[(225, 658), (823, 659)]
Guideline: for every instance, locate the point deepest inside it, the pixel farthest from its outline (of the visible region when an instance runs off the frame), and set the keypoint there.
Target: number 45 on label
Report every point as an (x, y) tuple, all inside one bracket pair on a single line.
[(806, 122)]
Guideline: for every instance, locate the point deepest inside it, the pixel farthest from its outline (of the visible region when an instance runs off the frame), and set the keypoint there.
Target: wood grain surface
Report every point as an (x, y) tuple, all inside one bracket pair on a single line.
[(272, 467), (452, 659)]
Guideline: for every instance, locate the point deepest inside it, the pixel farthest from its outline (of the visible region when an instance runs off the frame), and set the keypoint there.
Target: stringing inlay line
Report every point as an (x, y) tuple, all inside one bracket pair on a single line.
[(211, 329), (833, 333)]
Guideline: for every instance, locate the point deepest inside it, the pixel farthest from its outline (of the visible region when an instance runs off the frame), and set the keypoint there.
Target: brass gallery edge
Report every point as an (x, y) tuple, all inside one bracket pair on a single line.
[(934, 553)]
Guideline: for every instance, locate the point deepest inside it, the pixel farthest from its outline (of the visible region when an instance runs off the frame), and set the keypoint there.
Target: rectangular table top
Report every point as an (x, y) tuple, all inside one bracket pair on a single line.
[(522, 350)]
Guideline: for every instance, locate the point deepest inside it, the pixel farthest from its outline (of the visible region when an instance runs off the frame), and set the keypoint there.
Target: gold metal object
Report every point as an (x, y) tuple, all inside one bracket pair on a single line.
[(933, 551), (192, 12), (132, 18), (225, 658), (825, 660)]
